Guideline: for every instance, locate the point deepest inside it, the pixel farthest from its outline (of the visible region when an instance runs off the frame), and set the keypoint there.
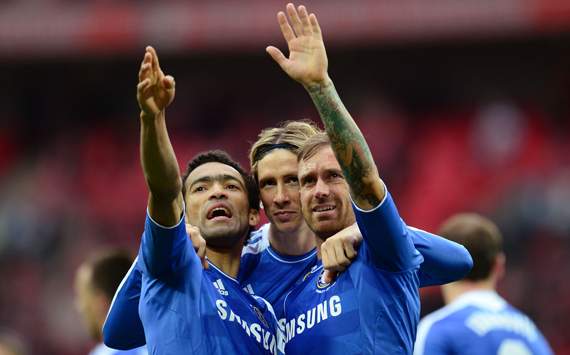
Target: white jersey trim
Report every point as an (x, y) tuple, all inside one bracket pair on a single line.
[(221, 272), (171, 227), (263, 244), (276, 257), (373, 208)]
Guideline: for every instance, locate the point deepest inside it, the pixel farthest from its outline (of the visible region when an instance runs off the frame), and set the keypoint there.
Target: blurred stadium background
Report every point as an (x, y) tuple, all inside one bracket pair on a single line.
[(466, 105)]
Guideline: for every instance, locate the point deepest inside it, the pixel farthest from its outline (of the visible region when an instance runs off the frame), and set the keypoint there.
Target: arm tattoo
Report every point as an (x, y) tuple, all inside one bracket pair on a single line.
[(348, 143)]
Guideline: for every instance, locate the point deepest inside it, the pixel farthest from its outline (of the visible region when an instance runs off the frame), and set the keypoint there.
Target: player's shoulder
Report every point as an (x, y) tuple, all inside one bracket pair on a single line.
[(440, 328), (448, 317), (451, 318)]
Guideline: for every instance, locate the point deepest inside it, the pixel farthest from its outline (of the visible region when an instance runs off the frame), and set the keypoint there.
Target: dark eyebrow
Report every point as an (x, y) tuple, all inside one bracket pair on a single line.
[(266, 179), (304, 177), (221, 178), (337, 171)]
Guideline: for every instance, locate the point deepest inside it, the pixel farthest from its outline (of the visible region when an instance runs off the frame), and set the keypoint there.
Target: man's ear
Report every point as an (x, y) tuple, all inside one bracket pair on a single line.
[(101, 305), (499, 267), (253, 217)]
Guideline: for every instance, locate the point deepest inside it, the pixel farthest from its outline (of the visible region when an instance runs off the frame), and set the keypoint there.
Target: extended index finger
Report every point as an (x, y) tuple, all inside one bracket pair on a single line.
[(155, 63)]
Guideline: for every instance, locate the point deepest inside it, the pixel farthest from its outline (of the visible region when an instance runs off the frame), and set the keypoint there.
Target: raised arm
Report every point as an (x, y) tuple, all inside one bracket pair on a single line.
[(165, 246), (155, 91), (308, 64), (377, 217)]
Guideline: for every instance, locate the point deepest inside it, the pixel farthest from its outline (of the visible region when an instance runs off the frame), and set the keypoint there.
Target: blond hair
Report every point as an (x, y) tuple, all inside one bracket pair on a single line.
[(290, 135), (313, 145)]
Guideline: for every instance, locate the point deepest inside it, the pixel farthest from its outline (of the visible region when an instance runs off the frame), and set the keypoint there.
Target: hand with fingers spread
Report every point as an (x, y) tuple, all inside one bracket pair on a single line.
[(198, 242), (155, 91), (307, 62), (338, 251)]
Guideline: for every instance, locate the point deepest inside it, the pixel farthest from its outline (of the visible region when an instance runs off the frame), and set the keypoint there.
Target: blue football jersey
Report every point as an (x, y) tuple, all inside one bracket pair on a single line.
[(371, 308), (188, 310), (479, 323), (269, 274), (265, 272)]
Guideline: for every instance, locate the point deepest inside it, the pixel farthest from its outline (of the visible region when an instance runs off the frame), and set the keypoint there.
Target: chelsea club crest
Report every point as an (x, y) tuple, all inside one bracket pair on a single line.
[(321, 285)]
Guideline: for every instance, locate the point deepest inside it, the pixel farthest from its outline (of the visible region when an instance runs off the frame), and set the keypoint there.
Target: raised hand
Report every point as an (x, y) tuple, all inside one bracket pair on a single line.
[(307, 62), (155, 91)]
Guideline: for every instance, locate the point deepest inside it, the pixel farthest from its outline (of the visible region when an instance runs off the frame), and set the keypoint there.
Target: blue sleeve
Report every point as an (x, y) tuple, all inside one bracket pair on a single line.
[(386, 236), (444, 260), (123, 328), (166, 250)]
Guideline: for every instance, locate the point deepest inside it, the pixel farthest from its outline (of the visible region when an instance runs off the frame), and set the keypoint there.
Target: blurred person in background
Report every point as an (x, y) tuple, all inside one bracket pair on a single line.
[(476, 320), (11, 344), (96, 281)]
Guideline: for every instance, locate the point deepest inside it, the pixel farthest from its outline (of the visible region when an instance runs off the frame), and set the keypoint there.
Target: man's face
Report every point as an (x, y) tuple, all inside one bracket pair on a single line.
[(325, 198), (217, 203), (279, 190)]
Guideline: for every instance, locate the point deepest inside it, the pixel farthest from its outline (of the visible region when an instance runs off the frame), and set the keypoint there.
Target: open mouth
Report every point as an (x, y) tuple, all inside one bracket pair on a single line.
[(219, 211)]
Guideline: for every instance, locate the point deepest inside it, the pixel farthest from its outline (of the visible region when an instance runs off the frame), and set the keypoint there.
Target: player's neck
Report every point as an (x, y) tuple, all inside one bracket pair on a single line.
[(227, 260), (318, 242), (297, 242), (454, 290)]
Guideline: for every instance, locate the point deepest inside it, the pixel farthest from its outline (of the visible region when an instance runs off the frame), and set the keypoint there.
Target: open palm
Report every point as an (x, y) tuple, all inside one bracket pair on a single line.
[(307, 62)]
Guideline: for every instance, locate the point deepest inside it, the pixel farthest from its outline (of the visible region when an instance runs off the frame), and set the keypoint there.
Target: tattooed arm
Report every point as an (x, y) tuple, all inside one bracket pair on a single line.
[(308, 64), (349, 146)]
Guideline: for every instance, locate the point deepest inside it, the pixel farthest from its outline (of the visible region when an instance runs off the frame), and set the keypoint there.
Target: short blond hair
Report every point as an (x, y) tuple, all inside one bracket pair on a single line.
[(290, 135), (313, 145)]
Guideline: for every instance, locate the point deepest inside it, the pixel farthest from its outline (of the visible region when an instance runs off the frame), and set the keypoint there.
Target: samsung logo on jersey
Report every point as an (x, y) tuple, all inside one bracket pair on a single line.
[(324, 310), (269, 341), (484, 322)]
